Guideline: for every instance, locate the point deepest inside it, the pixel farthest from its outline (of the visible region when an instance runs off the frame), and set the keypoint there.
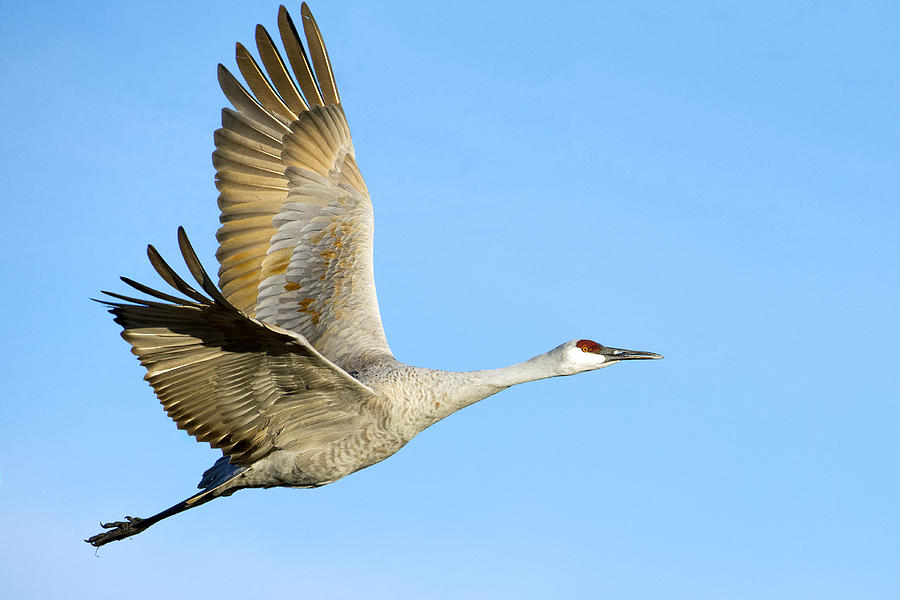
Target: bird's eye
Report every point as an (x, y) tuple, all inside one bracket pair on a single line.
[(585, 349)]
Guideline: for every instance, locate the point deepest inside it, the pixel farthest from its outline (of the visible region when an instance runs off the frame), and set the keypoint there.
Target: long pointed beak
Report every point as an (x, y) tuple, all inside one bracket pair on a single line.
[(620, 354)]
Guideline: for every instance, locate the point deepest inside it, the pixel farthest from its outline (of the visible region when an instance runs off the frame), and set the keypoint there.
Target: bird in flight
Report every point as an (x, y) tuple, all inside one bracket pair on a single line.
[(284, 365)]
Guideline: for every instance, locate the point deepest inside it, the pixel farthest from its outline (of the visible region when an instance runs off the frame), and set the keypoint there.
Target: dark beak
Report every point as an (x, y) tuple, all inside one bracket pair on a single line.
[(620, 354)]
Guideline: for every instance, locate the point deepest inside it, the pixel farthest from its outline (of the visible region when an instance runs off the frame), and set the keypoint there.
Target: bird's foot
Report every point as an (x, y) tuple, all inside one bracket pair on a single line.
[(117, 530)]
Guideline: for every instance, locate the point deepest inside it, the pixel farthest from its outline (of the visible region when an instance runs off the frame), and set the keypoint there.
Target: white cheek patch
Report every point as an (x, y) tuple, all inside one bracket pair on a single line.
[(590, 359), (598, 359)]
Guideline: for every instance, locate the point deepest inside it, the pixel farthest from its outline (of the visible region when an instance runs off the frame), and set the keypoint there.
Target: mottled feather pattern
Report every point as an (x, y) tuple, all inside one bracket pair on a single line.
[(318, 274), (296, 236)]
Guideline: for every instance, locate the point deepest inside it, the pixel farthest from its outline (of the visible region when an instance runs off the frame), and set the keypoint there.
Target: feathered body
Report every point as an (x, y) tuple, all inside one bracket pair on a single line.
[(284, 364), (408, 400)]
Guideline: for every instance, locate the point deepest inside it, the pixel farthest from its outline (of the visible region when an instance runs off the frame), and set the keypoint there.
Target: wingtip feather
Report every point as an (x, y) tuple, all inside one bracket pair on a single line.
[(196, 268)]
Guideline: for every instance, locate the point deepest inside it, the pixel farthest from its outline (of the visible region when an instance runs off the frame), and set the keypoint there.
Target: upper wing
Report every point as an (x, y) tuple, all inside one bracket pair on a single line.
[(231, 380), (297, 225)]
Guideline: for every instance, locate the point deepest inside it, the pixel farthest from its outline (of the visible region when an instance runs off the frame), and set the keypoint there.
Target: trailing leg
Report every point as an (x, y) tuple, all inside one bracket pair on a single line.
[(119, 530)]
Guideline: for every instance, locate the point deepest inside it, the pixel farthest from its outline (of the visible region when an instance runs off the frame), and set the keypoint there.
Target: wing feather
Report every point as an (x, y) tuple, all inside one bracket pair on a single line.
[(296, 237), (235, 124), (293, 47), (171, 277), (321, 63), (247, 105), (259, 85), (230, 380), (278, 71)]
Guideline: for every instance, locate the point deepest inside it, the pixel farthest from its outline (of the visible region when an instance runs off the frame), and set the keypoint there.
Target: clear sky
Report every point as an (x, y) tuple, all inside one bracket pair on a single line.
[(716, 182)]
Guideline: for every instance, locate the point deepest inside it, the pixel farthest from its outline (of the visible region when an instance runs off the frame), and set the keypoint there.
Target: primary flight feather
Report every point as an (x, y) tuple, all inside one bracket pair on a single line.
[(284, 365)]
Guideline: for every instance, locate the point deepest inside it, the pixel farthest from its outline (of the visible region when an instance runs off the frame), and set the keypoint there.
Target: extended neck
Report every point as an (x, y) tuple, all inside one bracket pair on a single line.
[(463, 389), (541, 366)]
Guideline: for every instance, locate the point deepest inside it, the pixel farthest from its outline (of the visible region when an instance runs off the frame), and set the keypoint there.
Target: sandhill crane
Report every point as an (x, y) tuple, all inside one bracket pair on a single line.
[(284, 366)]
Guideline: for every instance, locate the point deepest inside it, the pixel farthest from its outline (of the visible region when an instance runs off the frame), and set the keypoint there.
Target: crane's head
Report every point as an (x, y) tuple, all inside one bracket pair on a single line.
[(578, 356)]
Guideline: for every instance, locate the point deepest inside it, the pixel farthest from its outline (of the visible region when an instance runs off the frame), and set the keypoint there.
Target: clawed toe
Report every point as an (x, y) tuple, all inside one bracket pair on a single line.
[(117, 531), (128, 522)]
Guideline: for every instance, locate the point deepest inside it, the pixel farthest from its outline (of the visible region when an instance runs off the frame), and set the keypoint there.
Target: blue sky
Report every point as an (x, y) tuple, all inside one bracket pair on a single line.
[(717, 183)]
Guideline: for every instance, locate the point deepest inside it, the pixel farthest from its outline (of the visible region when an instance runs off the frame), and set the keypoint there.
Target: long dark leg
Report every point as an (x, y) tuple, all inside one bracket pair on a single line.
[(133, 525)]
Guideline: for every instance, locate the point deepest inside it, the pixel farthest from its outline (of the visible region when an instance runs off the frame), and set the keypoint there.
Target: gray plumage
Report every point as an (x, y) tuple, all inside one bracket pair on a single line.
[(284, 364)]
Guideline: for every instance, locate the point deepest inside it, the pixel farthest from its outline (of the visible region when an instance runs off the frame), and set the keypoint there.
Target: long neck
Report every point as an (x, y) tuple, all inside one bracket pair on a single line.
[(541, 366), (459, 390)]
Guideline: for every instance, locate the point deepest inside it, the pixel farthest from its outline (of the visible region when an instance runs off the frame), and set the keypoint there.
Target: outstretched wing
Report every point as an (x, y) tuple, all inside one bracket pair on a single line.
[(230, 380), (297, 224)]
